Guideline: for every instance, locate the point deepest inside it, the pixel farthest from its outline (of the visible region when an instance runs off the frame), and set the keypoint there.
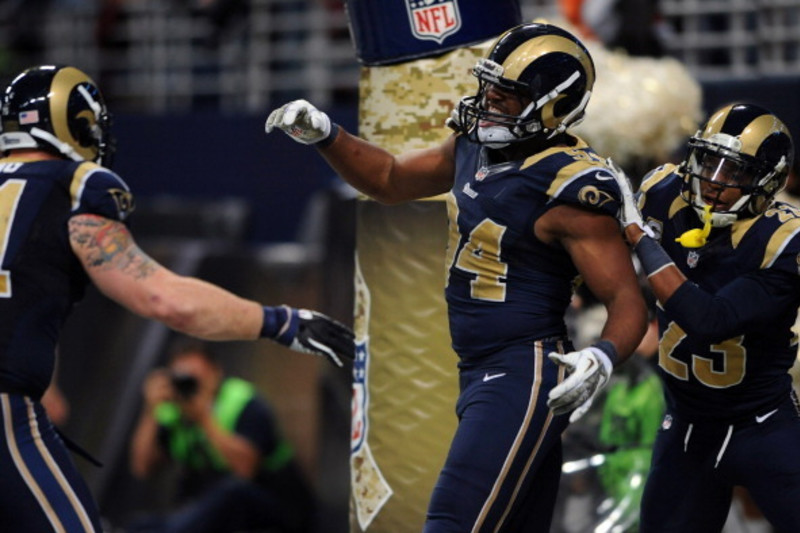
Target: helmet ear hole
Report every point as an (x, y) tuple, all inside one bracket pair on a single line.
[(82, 130)]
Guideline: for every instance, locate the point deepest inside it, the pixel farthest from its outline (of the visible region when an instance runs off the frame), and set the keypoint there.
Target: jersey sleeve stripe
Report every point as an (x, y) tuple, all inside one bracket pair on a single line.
[(569, 174), (656, 176), (532, 160), (677, 204), (740, 229), (81, 176), (779, 240)]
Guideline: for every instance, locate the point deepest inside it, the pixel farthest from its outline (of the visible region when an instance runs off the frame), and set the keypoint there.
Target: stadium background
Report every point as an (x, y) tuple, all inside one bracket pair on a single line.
[(190, 83)]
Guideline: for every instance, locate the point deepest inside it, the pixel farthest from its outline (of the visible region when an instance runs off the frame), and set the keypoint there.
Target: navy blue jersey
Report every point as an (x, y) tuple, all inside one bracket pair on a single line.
[(40, 277), (505, 286), (727, 364)]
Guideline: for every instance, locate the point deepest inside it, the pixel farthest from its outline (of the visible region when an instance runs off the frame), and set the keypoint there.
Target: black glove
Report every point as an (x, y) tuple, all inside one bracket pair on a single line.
[(311, 332)]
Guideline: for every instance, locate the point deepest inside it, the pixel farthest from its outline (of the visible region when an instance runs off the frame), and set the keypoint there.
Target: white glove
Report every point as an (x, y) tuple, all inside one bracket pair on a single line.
[(628, 213), (301, 121), (589, 371)]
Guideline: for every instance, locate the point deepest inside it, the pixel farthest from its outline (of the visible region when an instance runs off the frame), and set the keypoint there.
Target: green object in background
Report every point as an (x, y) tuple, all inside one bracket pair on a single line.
[(188, 443), (631, 416)]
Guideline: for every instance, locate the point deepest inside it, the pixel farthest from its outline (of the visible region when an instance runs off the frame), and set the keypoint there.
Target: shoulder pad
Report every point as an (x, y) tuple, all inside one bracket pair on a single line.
[(659, 193), (581, 177), (777, 231), (99, 191), (656, 175), (783, 245)]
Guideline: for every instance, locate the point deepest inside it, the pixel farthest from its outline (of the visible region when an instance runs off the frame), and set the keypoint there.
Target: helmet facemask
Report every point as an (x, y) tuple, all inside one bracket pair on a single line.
[(100, 134), (491, 128), (498, 130), (718, 162), (546, 68)]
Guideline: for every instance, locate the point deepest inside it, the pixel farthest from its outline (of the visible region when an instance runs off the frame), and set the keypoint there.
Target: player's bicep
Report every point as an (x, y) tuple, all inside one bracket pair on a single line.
[(111, 258), (595, 245), (105, 245), (601, 256)]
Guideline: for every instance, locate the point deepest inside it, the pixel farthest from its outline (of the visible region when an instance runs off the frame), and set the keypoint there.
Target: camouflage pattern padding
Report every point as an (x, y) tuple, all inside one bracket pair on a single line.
[(408, 383)]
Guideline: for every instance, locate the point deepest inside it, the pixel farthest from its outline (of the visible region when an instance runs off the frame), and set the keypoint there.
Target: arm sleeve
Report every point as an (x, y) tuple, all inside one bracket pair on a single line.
[(756, 298)]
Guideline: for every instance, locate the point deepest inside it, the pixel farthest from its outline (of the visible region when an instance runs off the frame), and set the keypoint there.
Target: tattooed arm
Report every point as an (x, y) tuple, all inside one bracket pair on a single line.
[(124, 273)]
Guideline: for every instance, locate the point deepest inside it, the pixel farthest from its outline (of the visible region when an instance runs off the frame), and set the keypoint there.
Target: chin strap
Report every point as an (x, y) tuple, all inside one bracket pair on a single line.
[(21, 139), (495, 136), (59, 145), (12, 140), (570, 119)]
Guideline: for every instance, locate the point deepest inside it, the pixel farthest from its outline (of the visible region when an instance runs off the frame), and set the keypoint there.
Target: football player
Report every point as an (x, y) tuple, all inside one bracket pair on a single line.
[(723, 257), (63, 223), (531, 209)]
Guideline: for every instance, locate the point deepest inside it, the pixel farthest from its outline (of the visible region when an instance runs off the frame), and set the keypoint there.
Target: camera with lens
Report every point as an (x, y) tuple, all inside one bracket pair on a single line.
[(185, 385)]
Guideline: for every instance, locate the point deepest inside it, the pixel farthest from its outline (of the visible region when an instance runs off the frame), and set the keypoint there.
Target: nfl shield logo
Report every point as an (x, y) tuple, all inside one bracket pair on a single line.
[(360, 402), (433, 20), (692, 259)]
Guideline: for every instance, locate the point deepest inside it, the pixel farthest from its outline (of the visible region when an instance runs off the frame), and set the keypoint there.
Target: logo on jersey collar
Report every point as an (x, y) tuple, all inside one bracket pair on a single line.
[(486, 170), (692, 258)]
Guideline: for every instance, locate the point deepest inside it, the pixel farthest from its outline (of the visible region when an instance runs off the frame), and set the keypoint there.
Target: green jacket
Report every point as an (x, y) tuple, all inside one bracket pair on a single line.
[(187, 444), (632, 414)]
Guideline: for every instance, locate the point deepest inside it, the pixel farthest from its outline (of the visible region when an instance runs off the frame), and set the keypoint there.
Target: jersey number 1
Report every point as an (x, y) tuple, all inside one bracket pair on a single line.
[(10, 193)]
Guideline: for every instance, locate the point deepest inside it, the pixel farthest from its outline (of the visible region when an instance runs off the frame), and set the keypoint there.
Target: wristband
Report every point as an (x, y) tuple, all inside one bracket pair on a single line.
[(279, 324), (652, 255), (607, 347), (327, 141)]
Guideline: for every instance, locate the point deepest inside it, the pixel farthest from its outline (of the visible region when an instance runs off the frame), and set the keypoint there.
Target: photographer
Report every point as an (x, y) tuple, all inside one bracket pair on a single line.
[(238, 473)]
